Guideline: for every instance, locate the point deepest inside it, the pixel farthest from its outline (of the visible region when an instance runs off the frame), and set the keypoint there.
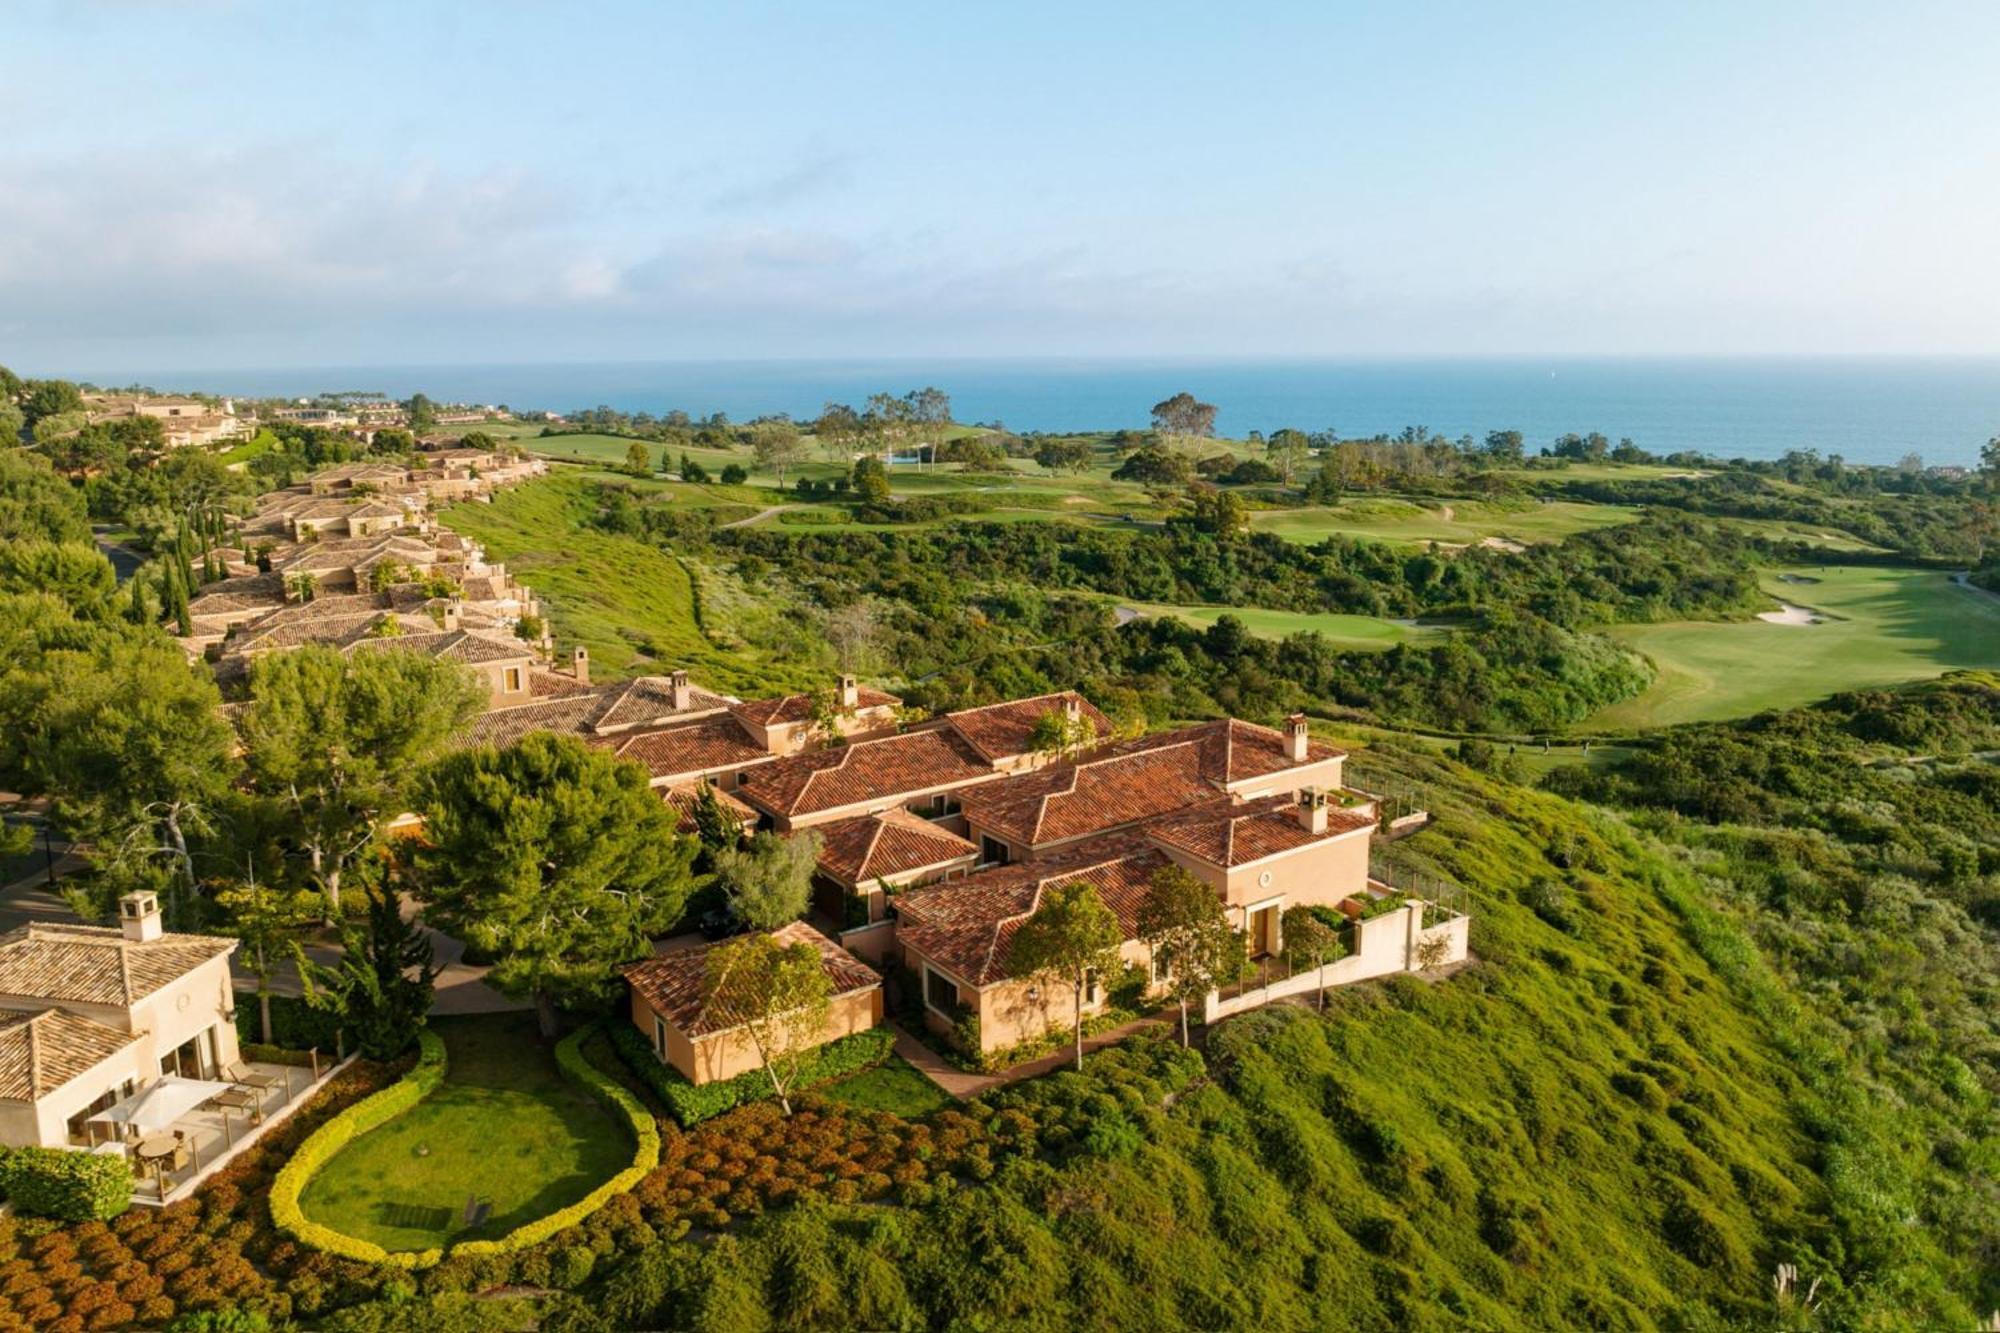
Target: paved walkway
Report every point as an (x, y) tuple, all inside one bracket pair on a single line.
[(963, 1085)]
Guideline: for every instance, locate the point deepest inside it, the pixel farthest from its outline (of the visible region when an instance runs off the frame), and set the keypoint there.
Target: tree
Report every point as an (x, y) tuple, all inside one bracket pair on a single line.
[(1154, 466), (929, 416), (269, 920), (1064, 454), (638, 460), (839, 429), (1182, 920), (1989, 459), (555, 859), (871, 481), (337, 738), (853, 631), (1311, 941), (1184, 416), (778, 995), (1505, 445), (1288, 449), (41, 399), (777, 445), (1071, 938), (691, 471), (734, 475), (1056, 733), (768, 884), (1217, 512), (381, 987), (715, 827), (422, 412)]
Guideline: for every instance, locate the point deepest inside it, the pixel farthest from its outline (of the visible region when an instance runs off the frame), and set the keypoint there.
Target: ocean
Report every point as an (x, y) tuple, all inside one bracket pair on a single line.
[(1867, 410)]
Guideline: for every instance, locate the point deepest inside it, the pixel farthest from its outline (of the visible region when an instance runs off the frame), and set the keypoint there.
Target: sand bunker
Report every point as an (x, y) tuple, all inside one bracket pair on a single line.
[(1787, 614), (1502, 544)]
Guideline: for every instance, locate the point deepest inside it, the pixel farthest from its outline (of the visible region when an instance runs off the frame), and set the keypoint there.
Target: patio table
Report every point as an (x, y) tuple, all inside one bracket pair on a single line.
[(240, 1099), (156, 1147)]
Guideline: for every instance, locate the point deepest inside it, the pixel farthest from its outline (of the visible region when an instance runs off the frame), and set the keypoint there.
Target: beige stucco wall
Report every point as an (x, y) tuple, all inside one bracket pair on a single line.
[(723, 1055), (48, 1119), (1013, 1011)]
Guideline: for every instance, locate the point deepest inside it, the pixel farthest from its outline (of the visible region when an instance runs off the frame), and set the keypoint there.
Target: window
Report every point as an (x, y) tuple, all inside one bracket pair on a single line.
[(1090, 987), (992, 851), (659, 1036), (941, 994), (942, 806), (513, 680)]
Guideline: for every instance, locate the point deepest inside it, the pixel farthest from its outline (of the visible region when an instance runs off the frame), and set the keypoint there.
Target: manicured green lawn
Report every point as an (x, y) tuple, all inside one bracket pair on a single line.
[(1346, 631), (1882, 627), (894, 1086), (1459, 522), (505, 1127)]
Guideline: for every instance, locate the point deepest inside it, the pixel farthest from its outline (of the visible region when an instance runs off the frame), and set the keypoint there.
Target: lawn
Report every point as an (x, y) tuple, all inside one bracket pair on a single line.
[(628, 601), (1458, 522), (894, 1086), (505, 1127), (1345, 631), (1882, 627)]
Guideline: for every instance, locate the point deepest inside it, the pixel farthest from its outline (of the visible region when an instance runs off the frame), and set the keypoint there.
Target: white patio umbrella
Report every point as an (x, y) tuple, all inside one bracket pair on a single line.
[(159, 1104)]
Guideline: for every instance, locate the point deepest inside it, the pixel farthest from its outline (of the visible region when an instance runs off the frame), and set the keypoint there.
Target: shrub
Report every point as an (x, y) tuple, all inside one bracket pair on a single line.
[(693, 1103), (74, 1186), (384, 1106), (295, 1025)]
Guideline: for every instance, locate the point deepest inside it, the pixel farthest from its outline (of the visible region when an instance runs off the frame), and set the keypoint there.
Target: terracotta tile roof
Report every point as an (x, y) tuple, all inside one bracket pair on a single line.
[(40, 1052), (1131, 781), (686, 798), (243, 593), (591, 710), (799, 707), (862, 771), (97, 965), (455, 645), (1239, 834), (895, 842), (1001, 731), (672, 983), (967, 926), (706, 745)]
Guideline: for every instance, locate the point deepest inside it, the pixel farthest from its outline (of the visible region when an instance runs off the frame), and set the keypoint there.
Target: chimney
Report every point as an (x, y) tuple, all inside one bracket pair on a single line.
[(683, 692), (1073, 709), (1295, 738), (580, 664), (1312, 810), (450, 616), (850, 692), (139, 917)]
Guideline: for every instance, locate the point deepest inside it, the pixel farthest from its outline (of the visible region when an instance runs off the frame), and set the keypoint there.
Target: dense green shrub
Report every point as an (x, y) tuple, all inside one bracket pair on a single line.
[(74, 1186), (295, 1025), (693, 1103)]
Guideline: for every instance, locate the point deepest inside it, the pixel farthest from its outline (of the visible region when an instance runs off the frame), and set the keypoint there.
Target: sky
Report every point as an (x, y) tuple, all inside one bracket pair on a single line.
[(190, 184)]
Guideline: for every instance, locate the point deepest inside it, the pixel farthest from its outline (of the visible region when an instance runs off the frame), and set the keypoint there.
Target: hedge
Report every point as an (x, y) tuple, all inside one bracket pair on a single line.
[(693, 1103), (320, 1146), (295, 1024), (59, 1182), (576, 1066), (418, 1084)]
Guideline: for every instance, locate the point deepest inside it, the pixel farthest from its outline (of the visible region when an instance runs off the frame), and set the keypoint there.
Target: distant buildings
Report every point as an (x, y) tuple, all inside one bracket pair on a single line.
[(184, 421)]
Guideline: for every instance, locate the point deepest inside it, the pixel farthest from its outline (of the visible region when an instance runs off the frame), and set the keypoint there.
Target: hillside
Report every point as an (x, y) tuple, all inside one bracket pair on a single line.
[(1616, 1118)]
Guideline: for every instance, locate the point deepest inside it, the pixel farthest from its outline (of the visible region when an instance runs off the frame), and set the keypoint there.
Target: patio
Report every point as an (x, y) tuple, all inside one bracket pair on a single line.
[(177, 1132)]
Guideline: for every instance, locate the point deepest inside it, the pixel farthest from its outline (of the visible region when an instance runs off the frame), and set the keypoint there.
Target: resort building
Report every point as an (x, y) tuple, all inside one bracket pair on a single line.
[(89, 1016)]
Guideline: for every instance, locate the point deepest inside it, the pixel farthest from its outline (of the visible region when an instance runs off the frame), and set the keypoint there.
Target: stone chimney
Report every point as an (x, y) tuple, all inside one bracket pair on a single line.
[(850, 692), (450, 616), (580, 664), (1312, 810), (1295, 738), (139, 917), (1073, 709), (683, 692)]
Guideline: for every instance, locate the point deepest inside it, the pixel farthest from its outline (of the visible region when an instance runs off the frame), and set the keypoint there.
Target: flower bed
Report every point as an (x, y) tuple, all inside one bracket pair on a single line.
[(692, 1103)]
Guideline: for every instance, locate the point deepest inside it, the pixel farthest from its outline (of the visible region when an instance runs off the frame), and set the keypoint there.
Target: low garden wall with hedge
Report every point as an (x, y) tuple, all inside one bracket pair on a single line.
[(692, 1103), (422, 1080)]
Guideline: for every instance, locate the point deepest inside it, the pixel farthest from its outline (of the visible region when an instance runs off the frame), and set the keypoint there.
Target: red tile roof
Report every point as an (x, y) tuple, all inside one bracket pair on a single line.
[(799, 707), (967, 926), (862, 771), (685, 799), (589, 710), (1001, 731), (1237, 835), (672, 983), (1131, 781), (707, 745), (895, 842)]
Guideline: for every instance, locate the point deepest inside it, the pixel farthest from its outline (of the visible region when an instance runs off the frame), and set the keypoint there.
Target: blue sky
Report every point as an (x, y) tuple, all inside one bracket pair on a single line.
[(210, 184)]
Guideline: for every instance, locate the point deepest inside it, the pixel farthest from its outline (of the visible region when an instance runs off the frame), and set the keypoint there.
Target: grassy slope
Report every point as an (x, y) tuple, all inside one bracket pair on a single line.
[(505, 1126), (1455, 521), (1885, 626), (626, 600)]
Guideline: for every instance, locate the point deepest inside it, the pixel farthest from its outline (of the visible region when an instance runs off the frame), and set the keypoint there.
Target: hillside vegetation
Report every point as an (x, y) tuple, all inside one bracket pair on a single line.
[(1616, 1118)]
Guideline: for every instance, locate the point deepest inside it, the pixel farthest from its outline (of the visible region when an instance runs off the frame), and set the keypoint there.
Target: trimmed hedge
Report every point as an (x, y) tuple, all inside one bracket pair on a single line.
[(59, 1182), (693, 1103), (576, 1066), (295, 1025), (418, 1084), (422, 1080)]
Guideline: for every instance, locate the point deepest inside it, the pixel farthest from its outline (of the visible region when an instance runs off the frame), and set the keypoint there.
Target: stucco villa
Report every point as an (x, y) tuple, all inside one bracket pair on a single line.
[(668, 1005), (89, 1016)]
